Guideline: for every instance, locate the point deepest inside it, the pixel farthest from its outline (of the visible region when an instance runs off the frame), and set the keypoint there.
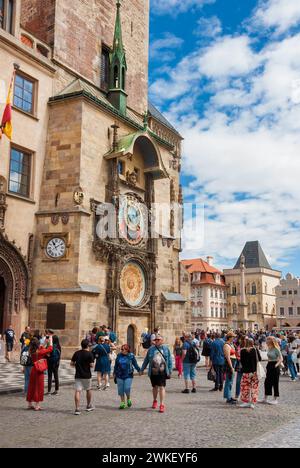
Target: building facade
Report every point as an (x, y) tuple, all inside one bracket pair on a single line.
[(251, 290), (88, 150), (208, 295), (288, 302)]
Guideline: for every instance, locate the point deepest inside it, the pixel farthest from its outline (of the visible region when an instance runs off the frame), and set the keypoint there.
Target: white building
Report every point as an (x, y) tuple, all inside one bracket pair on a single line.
[(208, 295), (288, 302)]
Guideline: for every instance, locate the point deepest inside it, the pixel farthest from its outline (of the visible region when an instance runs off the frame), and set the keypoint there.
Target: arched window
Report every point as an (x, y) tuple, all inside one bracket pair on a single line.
[(116, 77), (123, 78), (254, 289), (266, 288), (254, 308), (234, 290), (234, 309)]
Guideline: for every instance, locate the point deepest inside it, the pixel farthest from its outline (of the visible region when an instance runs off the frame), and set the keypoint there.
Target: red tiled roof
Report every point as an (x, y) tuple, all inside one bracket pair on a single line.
[(207, 271), (199, 265)]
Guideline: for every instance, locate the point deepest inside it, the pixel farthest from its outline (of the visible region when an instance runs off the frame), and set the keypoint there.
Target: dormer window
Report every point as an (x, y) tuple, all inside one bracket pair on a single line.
[(7, 15)]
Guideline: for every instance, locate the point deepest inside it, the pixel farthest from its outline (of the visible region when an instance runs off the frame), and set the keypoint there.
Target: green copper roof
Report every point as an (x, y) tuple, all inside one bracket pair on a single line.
[(118, 47)]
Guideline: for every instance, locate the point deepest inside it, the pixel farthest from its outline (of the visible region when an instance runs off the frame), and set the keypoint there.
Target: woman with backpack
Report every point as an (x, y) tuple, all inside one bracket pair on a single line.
[(53, 366), (190, 358), (38, 356), (123, 374)]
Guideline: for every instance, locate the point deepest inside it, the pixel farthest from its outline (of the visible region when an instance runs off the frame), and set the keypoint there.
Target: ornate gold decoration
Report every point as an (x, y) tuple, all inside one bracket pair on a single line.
[(133, 284)]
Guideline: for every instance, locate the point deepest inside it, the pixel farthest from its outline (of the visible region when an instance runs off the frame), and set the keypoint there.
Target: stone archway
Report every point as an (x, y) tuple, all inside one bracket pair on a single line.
[(15, 283)]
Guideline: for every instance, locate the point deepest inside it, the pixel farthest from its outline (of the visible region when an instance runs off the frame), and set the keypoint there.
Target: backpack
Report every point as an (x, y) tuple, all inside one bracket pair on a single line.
[(146, 340), (54, 357), (193, 354), (25, 359)]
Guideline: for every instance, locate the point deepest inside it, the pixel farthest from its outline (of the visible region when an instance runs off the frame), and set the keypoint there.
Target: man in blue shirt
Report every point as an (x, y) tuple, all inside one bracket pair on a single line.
[(218, 362)]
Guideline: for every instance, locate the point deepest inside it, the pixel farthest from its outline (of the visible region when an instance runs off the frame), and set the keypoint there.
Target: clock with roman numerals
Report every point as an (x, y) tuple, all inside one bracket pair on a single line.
[(56, 248)]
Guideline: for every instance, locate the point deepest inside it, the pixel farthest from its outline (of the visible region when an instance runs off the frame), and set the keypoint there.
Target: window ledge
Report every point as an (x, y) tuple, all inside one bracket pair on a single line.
[(25, 113), (19, 197)]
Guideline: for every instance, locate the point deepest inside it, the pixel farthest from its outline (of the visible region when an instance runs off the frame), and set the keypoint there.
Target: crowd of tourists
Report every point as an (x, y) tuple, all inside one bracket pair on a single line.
[(233, 362)]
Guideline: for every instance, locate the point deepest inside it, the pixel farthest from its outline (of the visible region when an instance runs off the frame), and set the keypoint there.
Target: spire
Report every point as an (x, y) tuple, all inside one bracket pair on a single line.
[(118, 67)]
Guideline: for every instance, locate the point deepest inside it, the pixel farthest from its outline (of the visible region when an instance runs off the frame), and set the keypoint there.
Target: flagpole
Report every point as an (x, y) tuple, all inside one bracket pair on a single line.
[(10, 96)]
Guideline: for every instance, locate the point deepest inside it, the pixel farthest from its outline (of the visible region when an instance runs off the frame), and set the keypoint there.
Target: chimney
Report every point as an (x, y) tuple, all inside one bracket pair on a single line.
[(210, 260)]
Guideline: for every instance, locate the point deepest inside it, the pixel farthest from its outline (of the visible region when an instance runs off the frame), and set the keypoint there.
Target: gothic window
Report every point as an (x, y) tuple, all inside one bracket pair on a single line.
[(234, 309), (123, 78), (19, 173), (104, 68), (121, 168), (116, 77), (266, 288), (234, 290), (254, 289), (7, 15), (254, 308)]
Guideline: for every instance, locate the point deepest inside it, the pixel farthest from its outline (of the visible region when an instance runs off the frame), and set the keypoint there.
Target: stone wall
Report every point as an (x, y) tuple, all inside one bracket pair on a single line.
[(78, 29)]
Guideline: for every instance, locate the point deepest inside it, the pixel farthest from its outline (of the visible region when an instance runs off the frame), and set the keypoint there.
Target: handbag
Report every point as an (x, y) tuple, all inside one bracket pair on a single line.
[(41, 365), (260, 371), (212, 376)]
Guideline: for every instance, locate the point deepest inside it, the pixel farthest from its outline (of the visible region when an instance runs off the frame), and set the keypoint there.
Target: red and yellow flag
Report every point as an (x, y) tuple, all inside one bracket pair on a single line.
[(6, 124)]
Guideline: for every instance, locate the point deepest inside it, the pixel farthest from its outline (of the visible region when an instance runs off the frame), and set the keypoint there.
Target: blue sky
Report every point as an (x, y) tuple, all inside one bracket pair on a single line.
[(227, 74)]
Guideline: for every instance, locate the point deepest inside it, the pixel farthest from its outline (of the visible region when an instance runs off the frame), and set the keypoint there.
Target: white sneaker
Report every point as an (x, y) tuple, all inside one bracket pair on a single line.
[(252, 406), (244, 405), (273, 402), (263, 402)]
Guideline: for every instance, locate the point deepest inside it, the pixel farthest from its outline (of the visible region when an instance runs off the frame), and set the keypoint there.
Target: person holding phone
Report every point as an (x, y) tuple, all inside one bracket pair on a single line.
[(38, 356)]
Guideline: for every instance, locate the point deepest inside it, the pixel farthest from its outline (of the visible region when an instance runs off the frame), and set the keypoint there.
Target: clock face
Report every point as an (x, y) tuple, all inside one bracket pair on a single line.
[(56, 248), (133, 284), (131, 219)]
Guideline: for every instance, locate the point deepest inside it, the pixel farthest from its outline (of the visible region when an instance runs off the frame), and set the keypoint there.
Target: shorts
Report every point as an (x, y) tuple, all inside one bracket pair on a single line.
[(124, 386), (83, 385), (9, 347), (189, 371), (158, 380)]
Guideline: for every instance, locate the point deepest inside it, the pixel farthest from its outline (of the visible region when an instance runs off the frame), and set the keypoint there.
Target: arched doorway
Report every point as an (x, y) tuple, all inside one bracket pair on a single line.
[(131, 338), (2, 303), (14, 285)]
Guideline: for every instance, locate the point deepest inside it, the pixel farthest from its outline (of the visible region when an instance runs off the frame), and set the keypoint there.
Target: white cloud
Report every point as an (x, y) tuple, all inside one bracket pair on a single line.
[(229, 56), (208, 27), (243, 147), (173, 7), (278, 14), (164, 48)]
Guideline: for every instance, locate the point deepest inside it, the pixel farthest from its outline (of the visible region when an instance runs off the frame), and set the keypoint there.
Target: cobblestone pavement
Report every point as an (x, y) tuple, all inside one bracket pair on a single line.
[(191, 421)]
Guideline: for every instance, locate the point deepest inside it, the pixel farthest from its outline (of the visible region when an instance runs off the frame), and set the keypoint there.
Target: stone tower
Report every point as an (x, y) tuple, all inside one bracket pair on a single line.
[(108, 151)]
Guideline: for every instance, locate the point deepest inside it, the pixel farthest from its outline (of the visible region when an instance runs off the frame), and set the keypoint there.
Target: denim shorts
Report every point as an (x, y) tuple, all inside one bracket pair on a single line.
[(189, 371), (124, 387)]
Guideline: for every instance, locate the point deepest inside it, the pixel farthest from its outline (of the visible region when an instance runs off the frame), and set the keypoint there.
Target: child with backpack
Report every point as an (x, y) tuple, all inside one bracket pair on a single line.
[(123, 375), (53, 366)]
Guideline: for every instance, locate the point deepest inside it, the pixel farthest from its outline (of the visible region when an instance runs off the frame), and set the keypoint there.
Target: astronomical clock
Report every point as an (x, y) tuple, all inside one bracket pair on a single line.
[(131, 253)]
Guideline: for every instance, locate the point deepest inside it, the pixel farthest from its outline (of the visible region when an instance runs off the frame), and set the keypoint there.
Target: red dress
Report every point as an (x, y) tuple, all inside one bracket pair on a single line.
[(36, 383)]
